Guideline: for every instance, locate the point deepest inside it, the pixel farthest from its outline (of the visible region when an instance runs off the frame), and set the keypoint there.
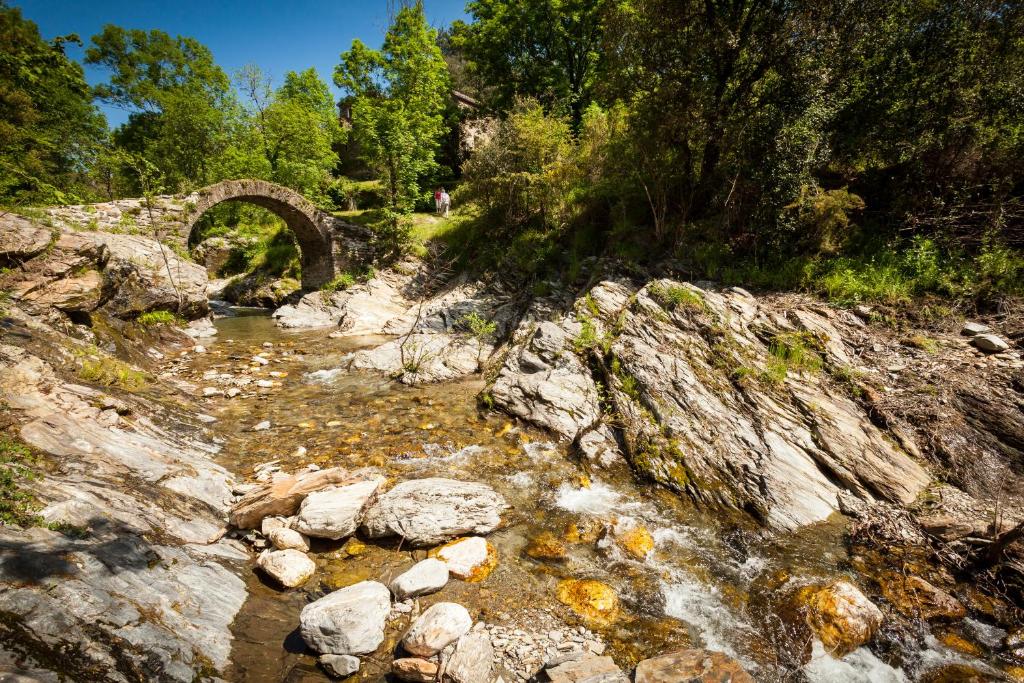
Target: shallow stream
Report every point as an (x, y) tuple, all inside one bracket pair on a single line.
[(706, 583)]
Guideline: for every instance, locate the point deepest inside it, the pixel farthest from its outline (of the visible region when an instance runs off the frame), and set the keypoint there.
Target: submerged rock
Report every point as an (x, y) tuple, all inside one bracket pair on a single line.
[(589, 598), (290, 568), (441, 624), (349, 621), (840, 615), (914, 597), (546, 546), (336, 512), (427, 576), (434, 510), (691, 666)]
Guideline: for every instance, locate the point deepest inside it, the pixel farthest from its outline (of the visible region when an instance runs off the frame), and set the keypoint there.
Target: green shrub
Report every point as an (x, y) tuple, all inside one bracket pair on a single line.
[(797, 351), (102, 368), (154, 318), (676, 296), (17, 506)]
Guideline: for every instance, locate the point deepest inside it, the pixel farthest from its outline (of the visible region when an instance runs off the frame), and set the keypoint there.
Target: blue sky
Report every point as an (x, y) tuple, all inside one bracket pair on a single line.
[(277, 36)]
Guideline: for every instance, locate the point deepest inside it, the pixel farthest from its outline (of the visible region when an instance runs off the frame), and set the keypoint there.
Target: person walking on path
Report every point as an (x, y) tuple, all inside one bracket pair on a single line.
[(446, 202), (437, 201)]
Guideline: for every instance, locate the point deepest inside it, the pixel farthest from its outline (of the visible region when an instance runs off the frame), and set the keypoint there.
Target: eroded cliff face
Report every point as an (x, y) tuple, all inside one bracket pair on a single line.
[(124, 576), (707, 396)]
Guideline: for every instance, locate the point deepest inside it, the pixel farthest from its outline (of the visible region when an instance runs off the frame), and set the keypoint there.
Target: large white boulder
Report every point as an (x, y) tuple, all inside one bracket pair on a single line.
[(336, 512), (428, 576), (442, 624), (291, 568), (434, 510), (284, 538), (471, 662), (349, 621)]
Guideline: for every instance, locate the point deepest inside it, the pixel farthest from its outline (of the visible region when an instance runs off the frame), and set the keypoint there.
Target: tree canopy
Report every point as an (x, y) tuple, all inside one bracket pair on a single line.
[(50, 132), (398, 99)]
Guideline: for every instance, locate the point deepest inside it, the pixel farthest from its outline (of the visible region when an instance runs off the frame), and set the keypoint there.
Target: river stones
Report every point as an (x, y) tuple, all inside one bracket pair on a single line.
[(339, 666), (914, 597), (588, 670), (434, 510), (284, 538), (691, 666), (443, 623), (428, 576), (282, 496), (290, 568), (414, 670), (349, 621), (335, 512), (471, 661), (589, 598), (840, 615), (470, 559)]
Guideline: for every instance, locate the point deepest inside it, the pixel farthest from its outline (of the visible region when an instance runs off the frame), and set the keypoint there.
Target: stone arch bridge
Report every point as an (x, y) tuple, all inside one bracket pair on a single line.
[(328, 245)]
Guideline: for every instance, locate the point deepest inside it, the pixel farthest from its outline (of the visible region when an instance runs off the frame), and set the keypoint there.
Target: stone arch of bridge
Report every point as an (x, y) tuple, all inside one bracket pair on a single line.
[(304, 220)]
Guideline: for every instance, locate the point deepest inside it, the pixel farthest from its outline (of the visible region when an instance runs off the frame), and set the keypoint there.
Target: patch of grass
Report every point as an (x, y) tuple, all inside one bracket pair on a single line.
[(17, 505), (155, 318), (920, 341), (102, 368), (849, 378), (345, 280), (676, 296), (587, 337), (793, 351)]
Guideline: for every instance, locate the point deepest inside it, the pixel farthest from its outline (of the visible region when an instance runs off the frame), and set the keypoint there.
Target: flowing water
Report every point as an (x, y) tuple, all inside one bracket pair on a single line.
[(707, 582)]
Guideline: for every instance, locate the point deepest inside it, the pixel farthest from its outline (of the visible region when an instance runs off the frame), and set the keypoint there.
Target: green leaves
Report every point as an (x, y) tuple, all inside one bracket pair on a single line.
[(398, 99)]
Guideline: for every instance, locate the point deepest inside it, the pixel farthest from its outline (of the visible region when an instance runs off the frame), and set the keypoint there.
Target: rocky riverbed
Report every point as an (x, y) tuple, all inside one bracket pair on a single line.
[(650, 480)]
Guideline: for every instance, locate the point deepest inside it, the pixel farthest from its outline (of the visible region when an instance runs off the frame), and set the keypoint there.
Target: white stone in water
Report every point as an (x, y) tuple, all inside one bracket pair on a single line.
[(337, 511), (290, 568), (260, 360), (284, 538), (433, 510), (262, 426), (349, 621), (441, 625), (463, 556), (199, 348), (299, 452), (428, 576), (339, 666), (264, 383), (212, 391), (234, 391)]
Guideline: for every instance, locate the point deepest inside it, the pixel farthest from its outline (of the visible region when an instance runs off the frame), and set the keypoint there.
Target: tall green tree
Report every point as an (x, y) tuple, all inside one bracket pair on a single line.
[(548, 50), (181, 103), (399, 94), (50, 132), (293, 128)]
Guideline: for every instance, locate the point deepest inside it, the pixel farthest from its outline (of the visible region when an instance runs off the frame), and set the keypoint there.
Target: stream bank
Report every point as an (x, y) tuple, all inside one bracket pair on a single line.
[(668, 486)]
